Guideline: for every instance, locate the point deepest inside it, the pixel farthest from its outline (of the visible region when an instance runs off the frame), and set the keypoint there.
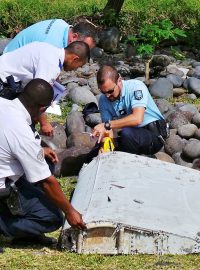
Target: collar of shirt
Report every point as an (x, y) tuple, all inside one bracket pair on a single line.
[(21, 108), (123, 90), (66, 35), (62, 58), (122, 94)]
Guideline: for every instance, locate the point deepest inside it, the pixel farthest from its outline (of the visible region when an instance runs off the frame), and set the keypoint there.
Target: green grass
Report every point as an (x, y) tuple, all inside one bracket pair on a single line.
[(65, 106), (47, 259), (17, 14)]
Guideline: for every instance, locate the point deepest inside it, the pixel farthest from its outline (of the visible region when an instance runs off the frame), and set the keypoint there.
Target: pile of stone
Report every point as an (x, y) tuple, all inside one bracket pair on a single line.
[(169, 78), (176, 79)]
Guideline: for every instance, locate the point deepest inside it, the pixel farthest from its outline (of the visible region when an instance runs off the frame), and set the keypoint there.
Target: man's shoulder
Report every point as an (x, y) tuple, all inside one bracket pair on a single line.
[(103, 100), (45, 23), (7, 107), (10, 113), (42, 49), (134, 84)]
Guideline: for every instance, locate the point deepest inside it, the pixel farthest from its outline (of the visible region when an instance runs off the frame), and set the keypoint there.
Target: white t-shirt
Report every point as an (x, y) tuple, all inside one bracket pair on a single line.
[(34, 60), (20, 152)]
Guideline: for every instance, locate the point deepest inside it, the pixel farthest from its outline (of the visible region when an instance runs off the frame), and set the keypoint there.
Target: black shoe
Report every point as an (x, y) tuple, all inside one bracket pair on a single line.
[(47, 241), (40, 240), (1, 250)]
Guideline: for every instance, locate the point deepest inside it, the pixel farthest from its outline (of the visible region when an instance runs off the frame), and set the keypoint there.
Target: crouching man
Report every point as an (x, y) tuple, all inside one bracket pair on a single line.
[(127, 106), (31, 200)]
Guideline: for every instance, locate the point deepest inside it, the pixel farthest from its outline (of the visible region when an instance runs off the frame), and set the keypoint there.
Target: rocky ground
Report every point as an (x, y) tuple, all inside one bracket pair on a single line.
[(169, 78)]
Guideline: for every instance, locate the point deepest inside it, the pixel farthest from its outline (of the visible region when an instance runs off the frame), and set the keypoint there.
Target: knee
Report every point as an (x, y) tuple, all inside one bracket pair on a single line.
[(56, 219), (52, 218), (126, 133)]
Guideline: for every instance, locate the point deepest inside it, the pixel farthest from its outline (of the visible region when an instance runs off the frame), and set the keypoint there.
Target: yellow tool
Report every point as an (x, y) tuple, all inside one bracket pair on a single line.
[(108, 145)]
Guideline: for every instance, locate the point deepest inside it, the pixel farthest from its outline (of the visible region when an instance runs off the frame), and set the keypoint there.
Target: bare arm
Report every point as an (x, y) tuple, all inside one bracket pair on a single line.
[(45, 126), (131, 120), (50, 154), (52, 188)]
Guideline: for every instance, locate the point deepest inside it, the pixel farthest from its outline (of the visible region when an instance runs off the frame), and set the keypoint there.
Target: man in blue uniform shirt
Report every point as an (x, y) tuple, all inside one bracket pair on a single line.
[(128, 106), (55, 32)]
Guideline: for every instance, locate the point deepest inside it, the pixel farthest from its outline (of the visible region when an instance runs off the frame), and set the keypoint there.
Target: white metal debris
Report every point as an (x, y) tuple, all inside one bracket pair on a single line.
[(134, 204)]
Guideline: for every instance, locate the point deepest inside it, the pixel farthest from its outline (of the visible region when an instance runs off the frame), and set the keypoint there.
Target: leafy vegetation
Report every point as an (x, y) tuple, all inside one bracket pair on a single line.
[(151, 35), (17, 14), (177, 54), (66, 106), (137, 18)]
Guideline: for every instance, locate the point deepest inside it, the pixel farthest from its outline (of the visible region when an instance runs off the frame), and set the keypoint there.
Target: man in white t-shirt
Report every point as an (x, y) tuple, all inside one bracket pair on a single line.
[(55, 32), (31, 199), (39, 60)]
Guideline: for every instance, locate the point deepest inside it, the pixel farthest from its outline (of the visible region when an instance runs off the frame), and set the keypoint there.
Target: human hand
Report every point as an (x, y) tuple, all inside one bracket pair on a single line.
[(51, 154), (46, 129), (74, 218), (99, 131)]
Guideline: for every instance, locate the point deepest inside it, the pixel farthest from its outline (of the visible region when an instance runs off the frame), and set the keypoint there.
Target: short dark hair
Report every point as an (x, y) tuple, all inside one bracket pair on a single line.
[(79, 48), (84, 29), (107, 72), (37, 92)]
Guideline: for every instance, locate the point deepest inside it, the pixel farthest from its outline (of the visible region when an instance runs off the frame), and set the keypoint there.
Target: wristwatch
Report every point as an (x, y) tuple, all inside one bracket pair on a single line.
[(107, 125)]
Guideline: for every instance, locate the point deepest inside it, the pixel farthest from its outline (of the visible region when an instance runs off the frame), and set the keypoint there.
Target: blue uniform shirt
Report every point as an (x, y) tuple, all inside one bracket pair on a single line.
[(53, 31), (134, 94)]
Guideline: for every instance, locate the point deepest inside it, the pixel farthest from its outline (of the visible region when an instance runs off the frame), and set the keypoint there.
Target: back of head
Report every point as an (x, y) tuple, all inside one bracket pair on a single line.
[(37, 92), (84, 29), (79, 48), (107, 72)]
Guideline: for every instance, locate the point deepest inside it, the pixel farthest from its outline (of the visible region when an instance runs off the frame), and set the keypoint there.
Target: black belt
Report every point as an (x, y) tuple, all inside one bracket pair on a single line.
[(159, 127), (153, 126)]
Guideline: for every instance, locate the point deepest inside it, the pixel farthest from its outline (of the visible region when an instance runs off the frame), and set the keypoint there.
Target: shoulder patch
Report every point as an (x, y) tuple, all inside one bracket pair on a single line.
[(40, 155), (138, 94)]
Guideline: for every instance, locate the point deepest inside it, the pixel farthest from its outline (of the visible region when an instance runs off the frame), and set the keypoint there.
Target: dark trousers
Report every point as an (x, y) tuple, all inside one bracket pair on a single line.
[(39, 216), (139, 141)]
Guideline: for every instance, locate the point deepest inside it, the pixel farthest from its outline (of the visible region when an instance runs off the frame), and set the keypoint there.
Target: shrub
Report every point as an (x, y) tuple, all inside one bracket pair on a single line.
[(151, 35)]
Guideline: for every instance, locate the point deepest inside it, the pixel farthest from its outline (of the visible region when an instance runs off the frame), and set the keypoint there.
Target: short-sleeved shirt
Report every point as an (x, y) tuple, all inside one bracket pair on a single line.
[(134, 94), (54, 32), (34, 60), (20, 151)]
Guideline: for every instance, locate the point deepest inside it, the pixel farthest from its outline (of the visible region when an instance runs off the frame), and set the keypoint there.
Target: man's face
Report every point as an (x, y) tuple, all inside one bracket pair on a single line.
[(38, 109), (76, 37), (111, 89), (90, 42), (72, 62)]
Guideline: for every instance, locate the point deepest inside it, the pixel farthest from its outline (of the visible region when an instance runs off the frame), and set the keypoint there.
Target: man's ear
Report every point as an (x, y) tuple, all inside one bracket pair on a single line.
[(120, 81), (75, 57), (74, 37)]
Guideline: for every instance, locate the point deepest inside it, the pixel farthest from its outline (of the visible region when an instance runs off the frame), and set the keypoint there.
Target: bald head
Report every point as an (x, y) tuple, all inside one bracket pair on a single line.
[(107, 72), (37, 94)]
